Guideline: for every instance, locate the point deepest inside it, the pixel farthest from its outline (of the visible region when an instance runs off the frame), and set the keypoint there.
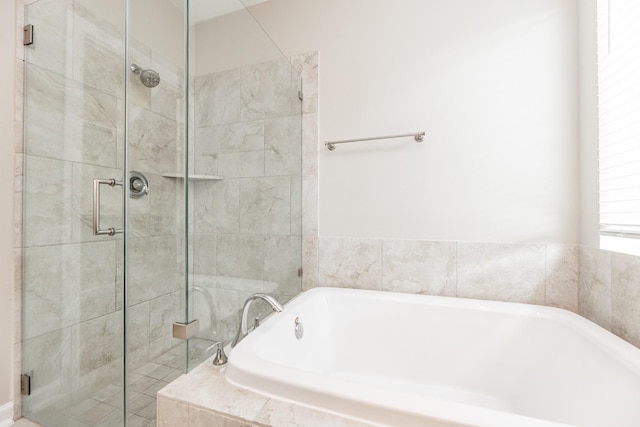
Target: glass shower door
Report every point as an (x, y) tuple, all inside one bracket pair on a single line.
[(103, 275), (72, 279)]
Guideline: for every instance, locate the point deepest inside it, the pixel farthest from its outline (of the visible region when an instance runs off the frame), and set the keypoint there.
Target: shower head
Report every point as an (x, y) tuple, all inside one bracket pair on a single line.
[(149, 78)]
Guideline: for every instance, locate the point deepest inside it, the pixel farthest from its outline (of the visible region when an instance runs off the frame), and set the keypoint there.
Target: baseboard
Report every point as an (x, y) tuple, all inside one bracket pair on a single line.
[(6, 414)]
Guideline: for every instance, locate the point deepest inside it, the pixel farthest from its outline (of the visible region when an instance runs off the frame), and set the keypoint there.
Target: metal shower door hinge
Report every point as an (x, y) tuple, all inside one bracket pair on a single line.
[(300, 95), (184, 331), (25, 385), (300, 272), (28, 35)]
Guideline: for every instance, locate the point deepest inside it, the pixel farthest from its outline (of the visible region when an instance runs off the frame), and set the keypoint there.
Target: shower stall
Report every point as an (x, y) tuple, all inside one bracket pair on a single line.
[(162, 187)]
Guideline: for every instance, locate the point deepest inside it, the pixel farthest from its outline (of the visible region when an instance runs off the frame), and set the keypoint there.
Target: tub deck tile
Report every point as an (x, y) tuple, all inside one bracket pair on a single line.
[(204, 397), (207, 388)]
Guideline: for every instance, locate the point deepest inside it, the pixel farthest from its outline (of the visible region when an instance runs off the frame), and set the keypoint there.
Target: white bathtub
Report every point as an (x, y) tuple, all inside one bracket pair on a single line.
[(405, 360)]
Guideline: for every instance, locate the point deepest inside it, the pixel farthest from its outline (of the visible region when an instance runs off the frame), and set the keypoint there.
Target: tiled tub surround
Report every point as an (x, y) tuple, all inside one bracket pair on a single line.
[(601, 286), (72, 287), (544, 274)]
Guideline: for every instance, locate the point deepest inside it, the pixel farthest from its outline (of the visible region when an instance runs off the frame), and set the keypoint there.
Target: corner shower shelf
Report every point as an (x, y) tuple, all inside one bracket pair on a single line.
[(194, 177)]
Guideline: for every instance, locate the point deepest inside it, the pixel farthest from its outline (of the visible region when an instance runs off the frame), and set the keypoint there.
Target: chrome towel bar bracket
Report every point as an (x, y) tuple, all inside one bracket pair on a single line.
[(418, 136)]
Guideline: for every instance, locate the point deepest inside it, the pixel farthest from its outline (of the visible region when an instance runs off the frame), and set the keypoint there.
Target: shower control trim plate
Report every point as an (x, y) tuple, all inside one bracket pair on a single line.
[(138, 185)]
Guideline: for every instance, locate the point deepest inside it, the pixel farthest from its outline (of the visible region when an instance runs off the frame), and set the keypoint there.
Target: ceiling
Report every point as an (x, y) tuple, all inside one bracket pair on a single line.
[(202, 10)]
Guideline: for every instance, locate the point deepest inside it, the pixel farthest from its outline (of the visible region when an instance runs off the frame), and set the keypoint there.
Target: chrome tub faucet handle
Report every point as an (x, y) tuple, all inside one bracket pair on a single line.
[(220, 358)]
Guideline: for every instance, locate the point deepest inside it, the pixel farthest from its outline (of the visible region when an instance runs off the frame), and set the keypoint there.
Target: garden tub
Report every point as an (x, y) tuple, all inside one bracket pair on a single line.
[(394, 359)]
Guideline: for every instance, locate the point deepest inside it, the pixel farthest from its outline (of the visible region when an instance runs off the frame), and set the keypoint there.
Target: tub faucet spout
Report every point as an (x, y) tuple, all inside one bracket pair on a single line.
[(244, 330)]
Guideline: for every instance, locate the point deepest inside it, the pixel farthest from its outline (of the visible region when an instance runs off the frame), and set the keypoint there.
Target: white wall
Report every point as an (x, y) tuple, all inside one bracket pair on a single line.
[(588, 54), (494, 84), (7, 65), (231, 41)]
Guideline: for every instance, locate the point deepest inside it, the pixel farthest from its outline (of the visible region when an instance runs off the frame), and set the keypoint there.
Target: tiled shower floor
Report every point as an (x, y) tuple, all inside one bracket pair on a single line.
[(104, 407)]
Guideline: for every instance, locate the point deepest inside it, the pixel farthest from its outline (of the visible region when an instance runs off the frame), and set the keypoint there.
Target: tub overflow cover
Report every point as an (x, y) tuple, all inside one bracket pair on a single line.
[(299, 329)]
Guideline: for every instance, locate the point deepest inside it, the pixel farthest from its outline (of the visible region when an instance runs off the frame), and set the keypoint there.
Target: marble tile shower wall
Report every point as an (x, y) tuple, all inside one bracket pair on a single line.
[(248, 227), (74, 109)]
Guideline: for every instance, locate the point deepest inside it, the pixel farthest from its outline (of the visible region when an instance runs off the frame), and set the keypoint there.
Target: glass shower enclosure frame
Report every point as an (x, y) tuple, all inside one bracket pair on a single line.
[(157, 189)]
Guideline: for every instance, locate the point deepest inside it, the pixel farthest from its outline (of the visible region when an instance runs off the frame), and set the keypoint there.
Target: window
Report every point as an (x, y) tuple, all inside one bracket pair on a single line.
[(619, 131)]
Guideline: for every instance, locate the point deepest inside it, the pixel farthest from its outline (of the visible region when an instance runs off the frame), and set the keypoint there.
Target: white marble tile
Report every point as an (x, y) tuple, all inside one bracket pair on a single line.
[(297, 205), (153, 142), (199, 417), (97, 53), (206, 151), (265, 205), (283, 146), (562, 276), (138, 328), (48, 196), (625, 297), (163, 312), (172, 413), (595, 286), (218, 98), (310, 144), (279, 413), (240, 256), (68, 120), (164, 197), (217, 207), (241, 165), (282, 259), (155, 271), (419, 267), (240, 137), (309, 263), (204, 254), (54, 23), (65, 284), (220, 396), (269, 89), (168, 102), (99, 342), (350, 263), (501, 272), (306, 65)]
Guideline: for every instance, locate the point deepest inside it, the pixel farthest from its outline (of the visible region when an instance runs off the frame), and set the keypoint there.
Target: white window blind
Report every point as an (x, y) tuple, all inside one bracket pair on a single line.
[(619, 116)]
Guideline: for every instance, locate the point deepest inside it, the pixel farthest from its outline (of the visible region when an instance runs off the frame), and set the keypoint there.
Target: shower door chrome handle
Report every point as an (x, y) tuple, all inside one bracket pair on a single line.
[(96, 207)]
